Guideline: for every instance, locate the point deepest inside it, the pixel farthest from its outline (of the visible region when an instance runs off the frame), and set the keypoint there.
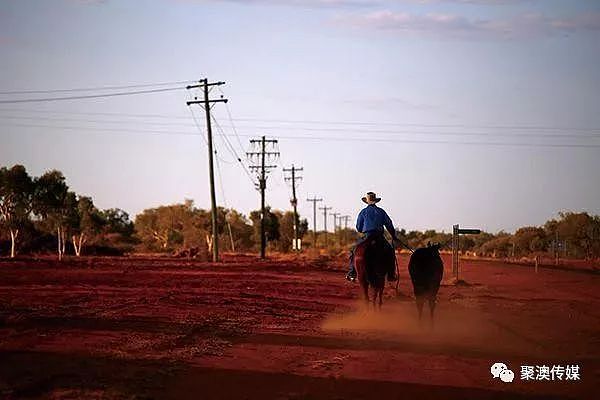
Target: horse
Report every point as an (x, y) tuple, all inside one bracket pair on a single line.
[(371, 260), (426, 270)]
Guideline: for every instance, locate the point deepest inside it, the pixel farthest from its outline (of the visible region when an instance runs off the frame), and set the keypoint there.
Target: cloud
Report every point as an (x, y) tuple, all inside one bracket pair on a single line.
[(482, 2), (88, 2), (349, 3), (456, 26), (307, 3)]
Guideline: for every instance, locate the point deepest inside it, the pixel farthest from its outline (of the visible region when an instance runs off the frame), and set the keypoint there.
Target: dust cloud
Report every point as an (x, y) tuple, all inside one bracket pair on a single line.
[(453, 326)]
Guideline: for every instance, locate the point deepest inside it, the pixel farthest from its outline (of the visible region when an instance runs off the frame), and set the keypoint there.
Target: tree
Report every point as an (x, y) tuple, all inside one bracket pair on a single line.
[(241, 230), (498, 247), (117, 221), (166, 227), (89, 222), (56, 206), (577, 231), (155, 228), (529, 239), (286, 229), (271, 225), (16, 192)]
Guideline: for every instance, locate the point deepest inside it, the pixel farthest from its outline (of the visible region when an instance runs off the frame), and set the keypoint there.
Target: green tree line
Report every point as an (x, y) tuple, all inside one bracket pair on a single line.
[(571, 235), (41, 214)]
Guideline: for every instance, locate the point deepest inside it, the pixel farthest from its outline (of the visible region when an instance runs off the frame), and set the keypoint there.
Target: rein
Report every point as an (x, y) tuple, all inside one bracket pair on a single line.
[(405, 245)]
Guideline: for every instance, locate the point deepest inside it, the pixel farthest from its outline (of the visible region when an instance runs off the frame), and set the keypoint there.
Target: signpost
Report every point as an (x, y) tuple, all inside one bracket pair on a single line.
[(456, 231), (469, 231)]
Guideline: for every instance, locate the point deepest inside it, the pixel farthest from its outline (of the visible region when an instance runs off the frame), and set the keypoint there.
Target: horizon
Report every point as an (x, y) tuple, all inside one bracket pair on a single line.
[(351, 224)]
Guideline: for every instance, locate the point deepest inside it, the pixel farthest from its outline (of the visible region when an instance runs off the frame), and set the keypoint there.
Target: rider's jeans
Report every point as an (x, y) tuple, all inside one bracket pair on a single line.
[(352, 270)]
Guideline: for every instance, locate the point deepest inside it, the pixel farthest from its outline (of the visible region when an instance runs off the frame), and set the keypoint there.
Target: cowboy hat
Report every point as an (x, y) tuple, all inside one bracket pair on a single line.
[(371, 198)]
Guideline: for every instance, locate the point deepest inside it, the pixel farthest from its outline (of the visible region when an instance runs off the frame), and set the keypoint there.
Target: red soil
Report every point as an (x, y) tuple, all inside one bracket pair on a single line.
[(287, 327)]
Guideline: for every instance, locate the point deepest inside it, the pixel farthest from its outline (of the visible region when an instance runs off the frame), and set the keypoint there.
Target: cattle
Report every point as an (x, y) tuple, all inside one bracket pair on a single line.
[(426, 271)]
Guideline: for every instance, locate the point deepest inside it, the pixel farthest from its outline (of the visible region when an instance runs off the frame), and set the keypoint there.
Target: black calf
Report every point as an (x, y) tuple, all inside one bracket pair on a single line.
[(426, 271)]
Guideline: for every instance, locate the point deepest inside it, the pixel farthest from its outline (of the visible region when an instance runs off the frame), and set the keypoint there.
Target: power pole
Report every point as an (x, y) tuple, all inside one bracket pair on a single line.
[(325, 209), (294, 202), (346, 218), (262, 170), (335, 225), (556, 249), (211, 174), (335, 221), (314, 201)]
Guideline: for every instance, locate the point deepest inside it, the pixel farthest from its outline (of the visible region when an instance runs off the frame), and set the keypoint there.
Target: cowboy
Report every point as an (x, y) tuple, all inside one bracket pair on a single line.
[(370, 222)]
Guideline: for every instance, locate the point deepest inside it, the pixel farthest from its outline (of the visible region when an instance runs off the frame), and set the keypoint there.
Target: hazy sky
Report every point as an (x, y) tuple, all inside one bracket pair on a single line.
[(435, 82)]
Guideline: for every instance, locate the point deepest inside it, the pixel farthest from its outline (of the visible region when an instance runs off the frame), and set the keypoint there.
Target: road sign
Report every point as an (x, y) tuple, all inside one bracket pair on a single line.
[(456, 231), (469, 231)]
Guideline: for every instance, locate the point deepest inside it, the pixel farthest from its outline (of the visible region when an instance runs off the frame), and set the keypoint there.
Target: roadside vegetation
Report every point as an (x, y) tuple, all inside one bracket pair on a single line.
[(40, 215)]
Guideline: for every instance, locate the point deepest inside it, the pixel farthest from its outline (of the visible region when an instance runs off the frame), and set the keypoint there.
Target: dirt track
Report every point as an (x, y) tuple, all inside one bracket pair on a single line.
[(167, 328)]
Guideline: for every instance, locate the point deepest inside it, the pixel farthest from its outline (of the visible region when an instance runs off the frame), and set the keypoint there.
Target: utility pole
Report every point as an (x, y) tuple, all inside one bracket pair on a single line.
[(335, 225), (335, 221), (294, 202), (262, 170), (556, 249), (346, 218), (211, 174), (325, 209), (314, 201)]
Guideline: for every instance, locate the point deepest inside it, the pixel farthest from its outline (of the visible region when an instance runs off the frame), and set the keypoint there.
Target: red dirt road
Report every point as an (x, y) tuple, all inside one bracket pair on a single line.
[(122, 328)]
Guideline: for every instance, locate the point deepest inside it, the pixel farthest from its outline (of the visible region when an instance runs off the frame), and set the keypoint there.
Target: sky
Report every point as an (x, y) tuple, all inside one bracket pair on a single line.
[(479, 113)]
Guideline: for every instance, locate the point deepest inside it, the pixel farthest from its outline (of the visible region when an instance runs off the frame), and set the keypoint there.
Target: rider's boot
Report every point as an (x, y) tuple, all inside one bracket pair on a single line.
[(351, 276)]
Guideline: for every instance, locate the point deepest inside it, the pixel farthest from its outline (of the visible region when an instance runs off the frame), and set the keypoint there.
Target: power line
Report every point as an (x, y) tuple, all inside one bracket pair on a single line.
[(228, 144), (234, 153), (132, 115), (232, 124), (203, 137), (481, 126), (412, 132), (91, 96), (371, 123), (88, 89), (222, 187), (323, 138), (426, 133), (198, 125)]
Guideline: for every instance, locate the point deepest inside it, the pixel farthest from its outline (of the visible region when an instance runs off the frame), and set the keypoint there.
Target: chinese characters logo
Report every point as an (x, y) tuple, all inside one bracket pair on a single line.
[(537, 372)]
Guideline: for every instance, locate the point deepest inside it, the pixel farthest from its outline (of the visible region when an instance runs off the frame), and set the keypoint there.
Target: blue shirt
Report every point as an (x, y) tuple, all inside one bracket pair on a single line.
[(373, 219)]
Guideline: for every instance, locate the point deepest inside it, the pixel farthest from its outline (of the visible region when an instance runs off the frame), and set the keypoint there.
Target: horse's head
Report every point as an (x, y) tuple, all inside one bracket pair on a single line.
[(434, 246)]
